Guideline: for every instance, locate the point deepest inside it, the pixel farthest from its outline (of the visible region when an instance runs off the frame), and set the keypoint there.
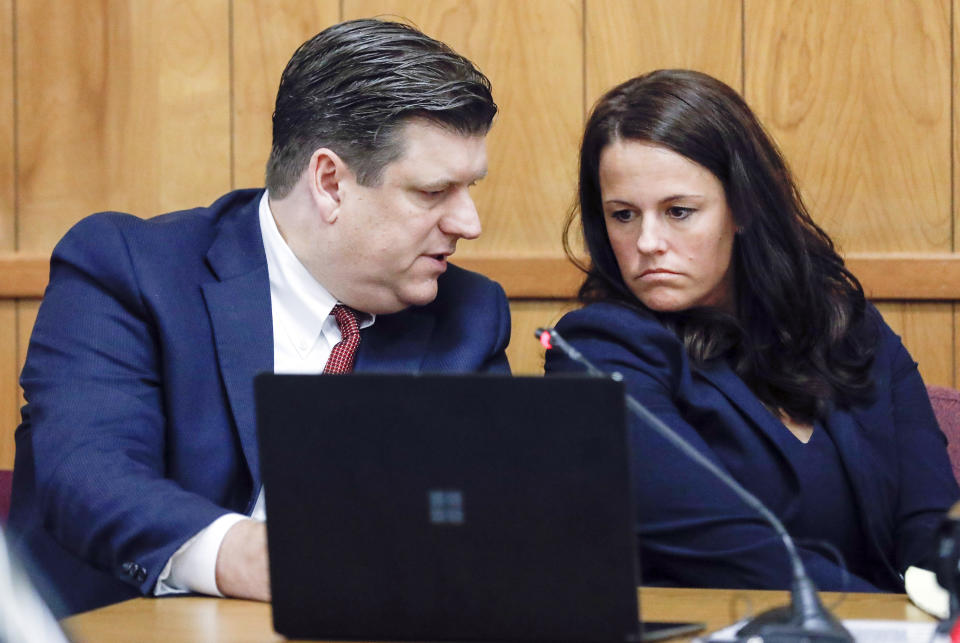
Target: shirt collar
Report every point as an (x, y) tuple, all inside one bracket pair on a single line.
[(301, 301)]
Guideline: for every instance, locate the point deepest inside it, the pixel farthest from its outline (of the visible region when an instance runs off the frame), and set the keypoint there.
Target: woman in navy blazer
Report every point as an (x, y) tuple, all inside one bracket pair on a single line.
[(732, 318)]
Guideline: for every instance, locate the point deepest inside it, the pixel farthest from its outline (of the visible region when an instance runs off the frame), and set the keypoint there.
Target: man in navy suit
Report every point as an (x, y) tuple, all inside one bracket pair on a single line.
[(136, 469)]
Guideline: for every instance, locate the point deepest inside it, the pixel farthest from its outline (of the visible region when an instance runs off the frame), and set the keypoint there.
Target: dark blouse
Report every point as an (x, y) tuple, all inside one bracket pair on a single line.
[(825, 503)]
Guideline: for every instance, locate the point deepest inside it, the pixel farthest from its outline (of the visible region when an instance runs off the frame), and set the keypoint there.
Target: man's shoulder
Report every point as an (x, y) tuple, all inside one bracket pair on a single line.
[(458, 285), (618, 333), (102, 225), (465, 299), (461, 276), (167, 247)]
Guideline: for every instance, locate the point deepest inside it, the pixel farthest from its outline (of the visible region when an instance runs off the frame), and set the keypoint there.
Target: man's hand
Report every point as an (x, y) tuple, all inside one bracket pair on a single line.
[(242, 569)]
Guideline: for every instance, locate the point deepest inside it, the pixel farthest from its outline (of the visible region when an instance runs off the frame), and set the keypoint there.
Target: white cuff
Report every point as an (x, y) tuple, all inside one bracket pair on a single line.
[(193, 567)]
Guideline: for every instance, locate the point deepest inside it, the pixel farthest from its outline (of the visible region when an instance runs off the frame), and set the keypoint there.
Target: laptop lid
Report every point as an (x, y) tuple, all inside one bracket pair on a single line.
[(463, 507)]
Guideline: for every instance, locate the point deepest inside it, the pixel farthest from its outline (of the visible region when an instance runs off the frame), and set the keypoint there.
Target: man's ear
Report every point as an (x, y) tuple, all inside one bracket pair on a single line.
[(327, 172)]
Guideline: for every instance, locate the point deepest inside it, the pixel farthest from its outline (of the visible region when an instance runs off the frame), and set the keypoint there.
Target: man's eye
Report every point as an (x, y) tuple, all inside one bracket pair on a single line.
[(432, 194), (677, 212)]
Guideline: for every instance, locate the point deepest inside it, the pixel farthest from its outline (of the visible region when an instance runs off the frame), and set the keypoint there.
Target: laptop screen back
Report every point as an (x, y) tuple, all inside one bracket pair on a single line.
[(470, 507)]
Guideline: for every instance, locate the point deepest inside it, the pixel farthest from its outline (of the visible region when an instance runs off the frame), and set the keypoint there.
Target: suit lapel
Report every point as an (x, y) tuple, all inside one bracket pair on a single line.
[(720, 375), (240, 314)]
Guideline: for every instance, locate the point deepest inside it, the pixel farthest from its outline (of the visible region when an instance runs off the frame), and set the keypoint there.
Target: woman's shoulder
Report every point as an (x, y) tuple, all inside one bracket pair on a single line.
[(614, 318), (616, 334), (889, 352)]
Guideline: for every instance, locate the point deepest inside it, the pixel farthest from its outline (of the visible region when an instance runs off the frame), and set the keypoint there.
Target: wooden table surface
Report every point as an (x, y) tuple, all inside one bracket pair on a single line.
[(216, 619)]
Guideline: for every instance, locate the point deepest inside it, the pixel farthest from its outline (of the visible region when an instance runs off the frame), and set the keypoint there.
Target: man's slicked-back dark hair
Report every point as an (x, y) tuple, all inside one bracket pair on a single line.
[(353, 86)]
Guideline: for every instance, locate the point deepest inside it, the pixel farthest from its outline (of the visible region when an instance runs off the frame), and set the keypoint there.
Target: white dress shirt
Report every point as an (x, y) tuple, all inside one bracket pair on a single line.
[(304, 334)]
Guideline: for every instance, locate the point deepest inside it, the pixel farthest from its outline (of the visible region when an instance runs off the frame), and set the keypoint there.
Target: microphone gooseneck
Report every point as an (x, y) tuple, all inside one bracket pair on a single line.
[(806, 619)]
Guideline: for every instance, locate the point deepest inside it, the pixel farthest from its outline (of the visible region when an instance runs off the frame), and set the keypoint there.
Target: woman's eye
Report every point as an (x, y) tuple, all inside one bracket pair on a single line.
[(677, 212), (622, 215)]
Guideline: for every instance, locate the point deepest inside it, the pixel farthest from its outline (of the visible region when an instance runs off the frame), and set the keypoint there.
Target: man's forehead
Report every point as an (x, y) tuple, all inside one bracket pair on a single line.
[(432, 149)]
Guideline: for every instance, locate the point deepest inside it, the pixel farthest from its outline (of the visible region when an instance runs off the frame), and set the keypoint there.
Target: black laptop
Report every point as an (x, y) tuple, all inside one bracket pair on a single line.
[(457, 508)]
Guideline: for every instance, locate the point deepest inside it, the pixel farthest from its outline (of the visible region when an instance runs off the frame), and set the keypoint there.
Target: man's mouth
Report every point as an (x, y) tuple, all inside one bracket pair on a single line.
[(441, 256)]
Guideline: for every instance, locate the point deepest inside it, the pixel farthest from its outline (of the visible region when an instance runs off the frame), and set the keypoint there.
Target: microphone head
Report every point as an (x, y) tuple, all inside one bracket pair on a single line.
[(543, 335)]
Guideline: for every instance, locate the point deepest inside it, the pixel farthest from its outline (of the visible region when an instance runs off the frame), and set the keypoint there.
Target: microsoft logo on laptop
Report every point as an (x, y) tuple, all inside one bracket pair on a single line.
[(446, 506)]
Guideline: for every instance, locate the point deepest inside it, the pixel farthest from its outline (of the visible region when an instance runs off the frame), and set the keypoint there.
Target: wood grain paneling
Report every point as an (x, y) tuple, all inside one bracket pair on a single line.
[(921, 275), (955, 109), (532, 51), (858, 95), (627, 38), (121, 105), (927, 332), (8, 320), (265, 35), (9, 387), (23, 275), (7, 151), (955, 159), (525, 352), (26, 316)]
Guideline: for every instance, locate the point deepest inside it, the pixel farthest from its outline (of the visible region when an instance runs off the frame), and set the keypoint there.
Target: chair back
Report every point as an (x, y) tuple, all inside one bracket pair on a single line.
[(946, 406), (6, 484)]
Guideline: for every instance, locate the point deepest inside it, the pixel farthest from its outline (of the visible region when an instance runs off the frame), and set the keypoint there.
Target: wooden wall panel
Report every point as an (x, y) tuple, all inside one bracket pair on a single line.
[(525, 352), (121, 105), (858, 95), (9, 387), (8, 320), (627, 38), (26, 316), (16, 321), (927, 332), (532, 51), (955, 108), (7, 152), (265, 35)]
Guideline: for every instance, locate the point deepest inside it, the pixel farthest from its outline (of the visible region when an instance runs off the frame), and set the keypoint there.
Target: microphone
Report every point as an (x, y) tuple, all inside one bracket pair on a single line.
[(805, 620)]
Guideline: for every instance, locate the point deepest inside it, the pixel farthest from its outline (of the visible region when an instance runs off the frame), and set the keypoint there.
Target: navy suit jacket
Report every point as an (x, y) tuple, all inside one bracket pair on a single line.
[(693, 531), (139, 428)]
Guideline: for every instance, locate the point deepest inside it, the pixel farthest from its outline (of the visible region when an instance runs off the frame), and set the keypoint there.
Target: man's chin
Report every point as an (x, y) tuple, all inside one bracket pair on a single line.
[(420, 295)]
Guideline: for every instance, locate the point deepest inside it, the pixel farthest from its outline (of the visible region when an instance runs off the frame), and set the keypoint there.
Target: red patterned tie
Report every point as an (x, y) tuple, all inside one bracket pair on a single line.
[(341, 357)]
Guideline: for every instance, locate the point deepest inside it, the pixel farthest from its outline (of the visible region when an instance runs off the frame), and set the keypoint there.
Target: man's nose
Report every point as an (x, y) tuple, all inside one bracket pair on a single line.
[(462, 219)]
